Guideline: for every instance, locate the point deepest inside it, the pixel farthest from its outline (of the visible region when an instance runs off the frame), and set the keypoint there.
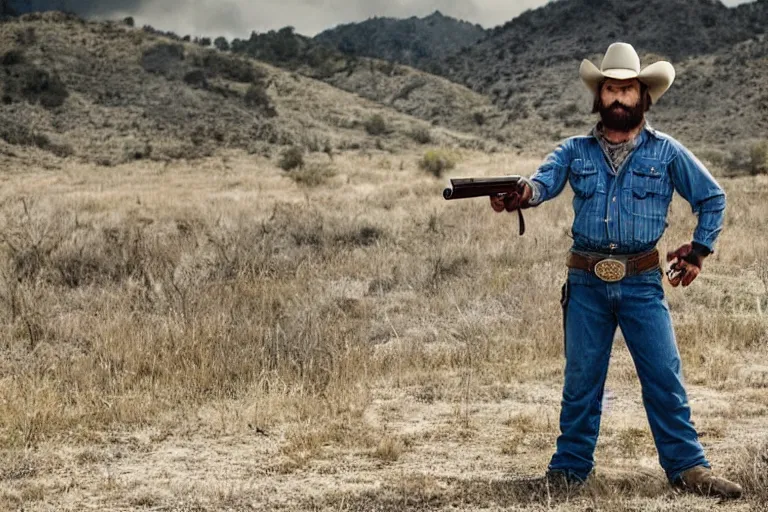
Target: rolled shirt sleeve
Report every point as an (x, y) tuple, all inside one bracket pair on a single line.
[(696, 185)]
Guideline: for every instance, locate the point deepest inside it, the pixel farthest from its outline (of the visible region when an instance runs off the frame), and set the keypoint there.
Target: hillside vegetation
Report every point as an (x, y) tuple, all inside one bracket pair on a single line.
[(108, 93)]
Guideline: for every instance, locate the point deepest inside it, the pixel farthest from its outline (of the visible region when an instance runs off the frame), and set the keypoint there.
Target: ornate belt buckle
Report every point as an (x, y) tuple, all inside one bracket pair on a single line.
[(610, 270)]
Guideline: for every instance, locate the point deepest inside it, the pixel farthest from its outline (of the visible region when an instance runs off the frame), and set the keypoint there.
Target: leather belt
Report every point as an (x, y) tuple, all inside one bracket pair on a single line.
[(614, 268)]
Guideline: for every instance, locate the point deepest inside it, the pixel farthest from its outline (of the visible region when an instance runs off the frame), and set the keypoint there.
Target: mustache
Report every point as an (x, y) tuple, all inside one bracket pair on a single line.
[(618, 104)]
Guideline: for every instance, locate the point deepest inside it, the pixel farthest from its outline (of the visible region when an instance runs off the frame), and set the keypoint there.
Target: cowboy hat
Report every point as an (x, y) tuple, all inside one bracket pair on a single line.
[(621, 62)]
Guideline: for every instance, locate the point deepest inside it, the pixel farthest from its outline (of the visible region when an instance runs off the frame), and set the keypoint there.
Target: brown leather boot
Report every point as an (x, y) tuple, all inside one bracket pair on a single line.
[(700, 480)]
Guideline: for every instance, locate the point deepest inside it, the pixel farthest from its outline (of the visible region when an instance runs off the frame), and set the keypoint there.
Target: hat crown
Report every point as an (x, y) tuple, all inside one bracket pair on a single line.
[(621, 56)]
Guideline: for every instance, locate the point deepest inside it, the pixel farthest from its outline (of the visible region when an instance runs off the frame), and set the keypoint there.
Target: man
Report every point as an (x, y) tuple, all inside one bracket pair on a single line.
[(623, 175)]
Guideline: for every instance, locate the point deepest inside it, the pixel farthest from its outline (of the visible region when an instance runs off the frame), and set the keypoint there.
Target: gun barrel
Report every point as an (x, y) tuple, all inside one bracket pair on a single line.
[(463, 188)]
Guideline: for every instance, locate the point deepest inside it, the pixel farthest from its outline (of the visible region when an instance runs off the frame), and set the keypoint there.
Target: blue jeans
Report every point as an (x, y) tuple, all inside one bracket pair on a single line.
[(592, 310)]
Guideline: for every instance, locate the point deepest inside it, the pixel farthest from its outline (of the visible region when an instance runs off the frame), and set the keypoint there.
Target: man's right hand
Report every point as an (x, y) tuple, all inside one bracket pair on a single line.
[(514, 200)]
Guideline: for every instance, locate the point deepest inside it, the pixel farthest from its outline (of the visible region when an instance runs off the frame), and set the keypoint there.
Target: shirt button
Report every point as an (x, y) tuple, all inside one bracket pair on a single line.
[(614, 199)]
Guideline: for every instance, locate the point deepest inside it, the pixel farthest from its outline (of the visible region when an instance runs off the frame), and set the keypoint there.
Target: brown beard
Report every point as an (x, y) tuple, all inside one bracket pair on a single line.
[(620, 117)]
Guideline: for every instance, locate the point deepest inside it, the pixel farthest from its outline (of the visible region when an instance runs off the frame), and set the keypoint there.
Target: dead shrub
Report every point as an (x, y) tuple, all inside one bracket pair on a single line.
[(291, 158), (313, 175), (751, 472), (19, 135), (361, 236), (389, 449), (134, 149), (31, 236), (421, 135), (375, 125)]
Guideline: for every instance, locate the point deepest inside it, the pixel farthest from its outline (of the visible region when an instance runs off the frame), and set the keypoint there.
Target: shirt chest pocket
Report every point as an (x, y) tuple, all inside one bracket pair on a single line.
[(651, 192), (650, 181), (583, 178)]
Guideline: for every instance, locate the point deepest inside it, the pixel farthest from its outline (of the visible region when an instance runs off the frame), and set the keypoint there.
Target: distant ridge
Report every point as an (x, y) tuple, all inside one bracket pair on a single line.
[(417, 42)]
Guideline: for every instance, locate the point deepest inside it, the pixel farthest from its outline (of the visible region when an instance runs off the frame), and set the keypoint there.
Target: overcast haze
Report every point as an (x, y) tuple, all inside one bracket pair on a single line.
[(237, 18)]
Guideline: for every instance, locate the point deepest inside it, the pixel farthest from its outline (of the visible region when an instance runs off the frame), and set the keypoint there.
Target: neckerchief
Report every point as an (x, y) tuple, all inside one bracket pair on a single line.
[(616, 153)]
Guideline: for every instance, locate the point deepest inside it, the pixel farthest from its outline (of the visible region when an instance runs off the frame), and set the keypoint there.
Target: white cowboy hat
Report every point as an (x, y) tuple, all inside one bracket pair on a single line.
[(621, 62)]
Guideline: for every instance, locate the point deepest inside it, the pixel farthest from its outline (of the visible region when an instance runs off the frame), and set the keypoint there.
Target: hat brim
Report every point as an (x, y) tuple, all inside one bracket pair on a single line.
[(658, 77)]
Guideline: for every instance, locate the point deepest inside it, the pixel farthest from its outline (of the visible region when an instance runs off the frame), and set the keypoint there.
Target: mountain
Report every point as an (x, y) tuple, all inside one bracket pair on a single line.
[(106, 92), (570, 30), (529, 66), (417, 42), (405, 89)]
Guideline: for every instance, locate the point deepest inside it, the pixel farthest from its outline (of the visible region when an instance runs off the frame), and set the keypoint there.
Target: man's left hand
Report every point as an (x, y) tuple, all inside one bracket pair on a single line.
[(687, 264)]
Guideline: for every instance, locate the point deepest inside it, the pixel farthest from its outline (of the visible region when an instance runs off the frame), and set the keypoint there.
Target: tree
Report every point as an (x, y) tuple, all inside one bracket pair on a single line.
[(221, 44), (285, 45)]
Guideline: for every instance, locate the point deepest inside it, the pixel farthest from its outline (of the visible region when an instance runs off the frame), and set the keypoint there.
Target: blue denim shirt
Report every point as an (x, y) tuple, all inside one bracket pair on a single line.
[(625, 212)]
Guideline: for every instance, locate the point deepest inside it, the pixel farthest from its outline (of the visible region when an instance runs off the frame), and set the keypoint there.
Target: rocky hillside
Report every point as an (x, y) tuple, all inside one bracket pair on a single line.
[(753, 15), (528, 69), (402, 88), (529, 66), (417, 42), (106, 92), (569, 30)]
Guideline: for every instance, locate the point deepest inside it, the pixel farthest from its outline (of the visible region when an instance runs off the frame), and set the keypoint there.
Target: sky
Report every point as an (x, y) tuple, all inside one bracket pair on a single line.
[(237, 18)]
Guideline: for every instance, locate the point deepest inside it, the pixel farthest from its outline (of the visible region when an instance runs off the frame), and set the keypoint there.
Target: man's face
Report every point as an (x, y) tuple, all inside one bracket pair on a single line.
[(620, 106)]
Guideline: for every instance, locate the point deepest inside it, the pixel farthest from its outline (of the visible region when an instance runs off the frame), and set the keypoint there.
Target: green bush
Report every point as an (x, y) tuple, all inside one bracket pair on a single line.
[(375, 125), (435, 161), (221, 44), (226, 66), (291, 158)]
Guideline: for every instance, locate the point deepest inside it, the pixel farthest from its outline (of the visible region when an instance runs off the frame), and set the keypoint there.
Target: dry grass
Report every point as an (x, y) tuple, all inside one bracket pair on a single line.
[(356, 333)]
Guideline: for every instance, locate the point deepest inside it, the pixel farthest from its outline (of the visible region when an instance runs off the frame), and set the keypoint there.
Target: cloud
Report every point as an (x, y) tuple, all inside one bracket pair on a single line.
[(237, 18)]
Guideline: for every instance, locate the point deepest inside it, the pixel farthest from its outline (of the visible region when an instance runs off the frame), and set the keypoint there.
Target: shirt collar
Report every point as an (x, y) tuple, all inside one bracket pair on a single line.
[(597, 132)]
